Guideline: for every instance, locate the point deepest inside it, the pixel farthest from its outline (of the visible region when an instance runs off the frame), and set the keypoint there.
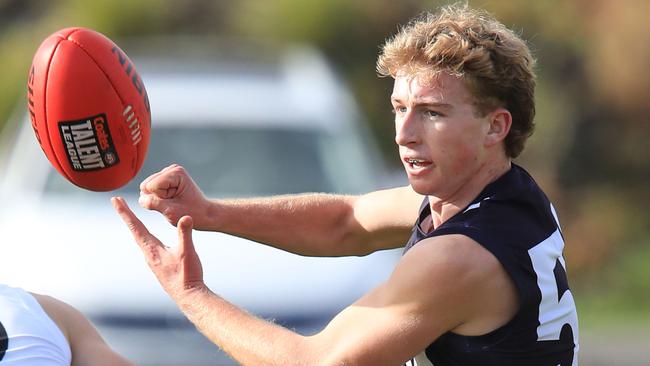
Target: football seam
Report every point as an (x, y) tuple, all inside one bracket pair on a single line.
[(45, 92), (137, 151)]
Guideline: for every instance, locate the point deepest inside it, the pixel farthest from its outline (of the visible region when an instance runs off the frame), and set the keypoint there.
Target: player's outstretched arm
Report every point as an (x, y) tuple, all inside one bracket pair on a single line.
[(441, 284), (307, 224), (86, 344)]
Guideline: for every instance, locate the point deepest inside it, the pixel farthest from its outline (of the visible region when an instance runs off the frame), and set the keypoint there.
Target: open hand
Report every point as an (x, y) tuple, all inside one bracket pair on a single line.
[(178, 269)]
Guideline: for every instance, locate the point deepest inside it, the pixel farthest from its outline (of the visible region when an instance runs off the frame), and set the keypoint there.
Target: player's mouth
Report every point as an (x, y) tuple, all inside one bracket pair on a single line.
[(416, 165)]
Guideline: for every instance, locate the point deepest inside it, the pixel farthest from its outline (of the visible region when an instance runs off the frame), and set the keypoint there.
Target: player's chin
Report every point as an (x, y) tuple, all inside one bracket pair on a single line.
[(422, 186)]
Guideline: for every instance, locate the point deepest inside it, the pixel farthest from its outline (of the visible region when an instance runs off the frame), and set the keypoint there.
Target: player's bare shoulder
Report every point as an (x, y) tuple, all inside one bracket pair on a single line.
[(57, 310), (466, 278)]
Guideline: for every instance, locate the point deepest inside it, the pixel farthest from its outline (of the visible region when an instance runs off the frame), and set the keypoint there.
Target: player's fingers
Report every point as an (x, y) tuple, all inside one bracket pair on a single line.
[(142, 236), (145, 182), (165, 185), (151, 183), (144, 186), (149, 201)]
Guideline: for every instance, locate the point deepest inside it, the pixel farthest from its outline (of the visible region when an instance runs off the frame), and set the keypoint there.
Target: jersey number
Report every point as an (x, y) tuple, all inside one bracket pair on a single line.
[(558, 322)]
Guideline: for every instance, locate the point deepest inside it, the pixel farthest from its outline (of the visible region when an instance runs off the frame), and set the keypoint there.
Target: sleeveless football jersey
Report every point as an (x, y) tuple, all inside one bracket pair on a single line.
[(514, 220), (28, 336)]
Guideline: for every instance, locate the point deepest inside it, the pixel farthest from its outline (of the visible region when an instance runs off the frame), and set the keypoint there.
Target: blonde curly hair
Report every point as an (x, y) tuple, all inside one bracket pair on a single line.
[(495, 63)]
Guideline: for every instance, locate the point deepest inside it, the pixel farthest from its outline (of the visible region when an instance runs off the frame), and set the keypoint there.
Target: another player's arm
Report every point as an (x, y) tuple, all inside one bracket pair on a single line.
[(86, 344)]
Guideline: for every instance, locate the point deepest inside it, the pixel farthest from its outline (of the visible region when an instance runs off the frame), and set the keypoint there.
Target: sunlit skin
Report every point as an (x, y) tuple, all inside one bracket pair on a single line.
[(457, 151), (436, 125)]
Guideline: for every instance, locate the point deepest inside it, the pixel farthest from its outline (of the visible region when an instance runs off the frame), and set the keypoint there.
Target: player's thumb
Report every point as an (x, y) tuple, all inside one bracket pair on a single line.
[(185, 225), (151, 202)]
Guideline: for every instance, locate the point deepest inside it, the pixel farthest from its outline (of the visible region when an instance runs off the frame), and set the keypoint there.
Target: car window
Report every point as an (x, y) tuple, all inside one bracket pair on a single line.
[(232, 161)]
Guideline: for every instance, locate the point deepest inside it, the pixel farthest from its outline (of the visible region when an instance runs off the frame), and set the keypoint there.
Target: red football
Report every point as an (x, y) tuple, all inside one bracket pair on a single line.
[(89, 109)]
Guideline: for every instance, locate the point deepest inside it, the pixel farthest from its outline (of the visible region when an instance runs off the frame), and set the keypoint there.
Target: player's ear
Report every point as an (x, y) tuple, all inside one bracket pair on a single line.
[(500, 121)]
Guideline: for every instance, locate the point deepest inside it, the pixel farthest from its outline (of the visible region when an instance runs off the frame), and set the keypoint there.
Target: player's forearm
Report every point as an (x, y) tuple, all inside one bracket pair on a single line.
[(310, 224), (247, 339)]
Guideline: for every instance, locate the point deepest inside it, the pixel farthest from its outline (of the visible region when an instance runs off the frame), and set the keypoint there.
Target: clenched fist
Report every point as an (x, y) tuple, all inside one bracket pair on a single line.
[(173, 193)]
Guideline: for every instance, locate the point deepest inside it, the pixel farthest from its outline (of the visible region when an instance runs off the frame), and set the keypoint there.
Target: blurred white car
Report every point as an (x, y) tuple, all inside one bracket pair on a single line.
[(241, 128)]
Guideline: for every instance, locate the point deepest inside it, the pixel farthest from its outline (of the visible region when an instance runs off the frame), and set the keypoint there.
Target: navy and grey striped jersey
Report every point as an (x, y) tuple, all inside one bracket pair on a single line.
[(514, 220)]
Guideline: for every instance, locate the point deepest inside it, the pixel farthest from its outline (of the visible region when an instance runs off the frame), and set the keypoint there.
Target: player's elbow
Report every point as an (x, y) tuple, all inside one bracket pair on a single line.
[(339, 232), (352, 237)]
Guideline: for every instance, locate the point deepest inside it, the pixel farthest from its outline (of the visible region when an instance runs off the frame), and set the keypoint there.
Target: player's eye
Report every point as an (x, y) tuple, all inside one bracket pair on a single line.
[(432, 114), (399, 110)]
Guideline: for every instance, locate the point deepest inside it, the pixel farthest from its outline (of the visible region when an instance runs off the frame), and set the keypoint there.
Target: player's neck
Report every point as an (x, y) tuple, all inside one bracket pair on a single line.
[(442, 209)]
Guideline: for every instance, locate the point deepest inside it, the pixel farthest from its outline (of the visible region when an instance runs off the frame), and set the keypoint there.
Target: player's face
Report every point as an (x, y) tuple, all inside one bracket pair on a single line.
[(439, 133)]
